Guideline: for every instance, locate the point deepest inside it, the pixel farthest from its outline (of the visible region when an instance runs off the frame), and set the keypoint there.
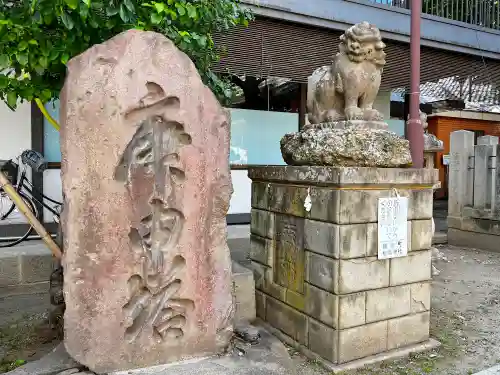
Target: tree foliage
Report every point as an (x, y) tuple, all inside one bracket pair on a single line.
[(38, 37)]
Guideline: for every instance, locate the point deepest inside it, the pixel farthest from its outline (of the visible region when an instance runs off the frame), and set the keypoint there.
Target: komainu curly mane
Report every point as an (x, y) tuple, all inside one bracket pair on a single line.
[(347, 89)]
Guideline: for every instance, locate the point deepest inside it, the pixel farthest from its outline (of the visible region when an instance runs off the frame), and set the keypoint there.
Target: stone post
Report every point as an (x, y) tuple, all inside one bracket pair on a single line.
[(146, 181), (460, 184), (496, 193), (490, 143)]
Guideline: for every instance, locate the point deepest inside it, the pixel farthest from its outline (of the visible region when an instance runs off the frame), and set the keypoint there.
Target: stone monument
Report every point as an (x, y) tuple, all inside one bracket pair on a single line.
[(329, 281), (432, 145), (345, 129), (146, 181)]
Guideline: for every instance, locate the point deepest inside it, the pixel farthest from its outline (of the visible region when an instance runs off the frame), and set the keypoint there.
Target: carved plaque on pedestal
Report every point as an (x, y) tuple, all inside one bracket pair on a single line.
[(289, 254)]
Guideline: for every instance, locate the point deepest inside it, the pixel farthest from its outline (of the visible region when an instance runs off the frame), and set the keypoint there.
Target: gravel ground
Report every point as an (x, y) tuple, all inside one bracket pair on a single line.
[(465, 318)]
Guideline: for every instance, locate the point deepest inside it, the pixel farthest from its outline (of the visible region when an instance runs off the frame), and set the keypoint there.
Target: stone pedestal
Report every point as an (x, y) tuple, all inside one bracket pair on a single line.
[(318, 278)]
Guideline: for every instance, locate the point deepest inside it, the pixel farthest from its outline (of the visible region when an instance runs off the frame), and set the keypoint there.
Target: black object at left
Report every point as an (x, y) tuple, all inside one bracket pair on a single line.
[(34, 159)]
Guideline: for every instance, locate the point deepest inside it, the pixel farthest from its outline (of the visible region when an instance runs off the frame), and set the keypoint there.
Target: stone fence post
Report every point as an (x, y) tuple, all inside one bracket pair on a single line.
[(460, 184), (484, 179)]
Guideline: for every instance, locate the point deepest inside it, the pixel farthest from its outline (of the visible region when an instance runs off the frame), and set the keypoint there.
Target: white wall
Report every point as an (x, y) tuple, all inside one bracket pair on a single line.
[(242, 194), (52, 188), (15, 130), (15, 137)]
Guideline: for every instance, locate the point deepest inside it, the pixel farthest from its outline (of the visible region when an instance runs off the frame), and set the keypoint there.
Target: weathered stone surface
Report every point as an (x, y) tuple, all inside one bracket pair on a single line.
[(408, 330), (346, 148), (268, 357), (387, 303), (244, 293), (322, 305), (146, 179), (322, 271), (321, 238), (360, 274), (420, 297), (287, 320), (421, 234), (362, 341), (262, 223), (341, 176), (412, 268), (347, 89), (260, 304), (352, 310), (323, 340), (431, 142), (261, 250)]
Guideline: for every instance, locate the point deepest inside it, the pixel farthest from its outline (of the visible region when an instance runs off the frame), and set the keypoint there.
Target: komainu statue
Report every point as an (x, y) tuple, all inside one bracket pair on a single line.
[(347, 89)]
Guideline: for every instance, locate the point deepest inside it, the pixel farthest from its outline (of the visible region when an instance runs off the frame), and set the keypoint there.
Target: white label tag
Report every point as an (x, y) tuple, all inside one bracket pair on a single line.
[(392, 227)]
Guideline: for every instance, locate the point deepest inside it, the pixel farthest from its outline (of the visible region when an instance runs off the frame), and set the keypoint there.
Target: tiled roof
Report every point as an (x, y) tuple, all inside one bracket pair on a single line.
[(480, 97)]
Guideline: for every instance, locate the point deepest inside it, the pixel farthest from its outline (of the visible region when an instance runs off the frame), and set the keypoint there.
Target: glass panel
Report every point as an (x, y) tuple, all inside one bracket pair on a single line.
[(397, 126), (51, 146), (256, 135)]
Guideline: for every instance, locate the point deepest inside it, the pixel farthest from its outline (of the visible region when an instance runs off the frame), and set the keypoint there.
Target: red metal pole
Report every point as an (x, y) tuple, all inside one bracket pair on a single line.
[(415, 131)]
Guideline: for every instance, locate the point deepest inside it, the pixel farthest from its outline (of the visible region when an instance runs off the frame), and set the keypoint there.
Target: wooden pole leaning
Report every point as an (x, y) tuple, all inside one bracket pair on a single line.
[(37, 226)]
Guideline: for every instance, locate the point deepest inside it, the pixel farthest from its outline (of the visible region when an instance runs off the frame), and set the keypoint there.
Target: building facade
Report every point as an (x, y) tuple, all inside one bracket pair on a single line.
[(271, 59)]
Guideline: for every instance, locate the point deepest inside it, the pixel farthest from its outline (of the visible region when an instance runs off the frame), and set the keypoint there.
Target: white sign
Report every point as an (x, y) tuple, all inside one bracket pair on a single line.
[(446, 159), (392, 227)]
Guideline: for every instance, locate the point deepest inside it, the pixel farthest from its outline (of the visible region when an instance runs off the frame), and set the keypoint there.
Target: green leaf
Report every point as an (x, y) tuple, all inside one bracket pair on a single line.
[(110, 23), (160, 7), (12, 100), (97, 5), (67, 21), (53, 55), (111, 11), (48, 18), (4, 82), (4, 61), (39, 69), (73, 4), (65, 58), (22, 58), (130, 6), (123, 13), (87, 3), (84, 12), (33, 42), (202, 40), (180, 9), (191, 10), (22, 45), (45, 95), (44, 62), (156, 18)]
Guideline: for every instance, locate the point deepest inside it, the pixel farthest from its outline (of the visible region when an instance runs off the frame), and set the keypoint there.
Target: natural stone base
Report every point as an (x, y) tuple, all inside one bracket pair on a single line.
[(326, 145), (360, 363), (346, 124), (268, 357)]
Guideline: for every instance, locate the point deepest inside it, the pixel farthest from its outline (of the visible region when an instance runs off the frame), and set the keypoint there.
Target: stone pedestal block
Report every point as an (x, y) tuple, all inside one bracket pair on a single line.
[(318, 278)]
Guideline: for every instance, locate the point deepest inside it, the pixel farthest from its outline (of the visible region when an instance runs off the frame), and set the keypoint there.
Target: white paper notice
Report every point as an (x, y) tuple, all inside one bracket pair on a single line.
[(392, 227)]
